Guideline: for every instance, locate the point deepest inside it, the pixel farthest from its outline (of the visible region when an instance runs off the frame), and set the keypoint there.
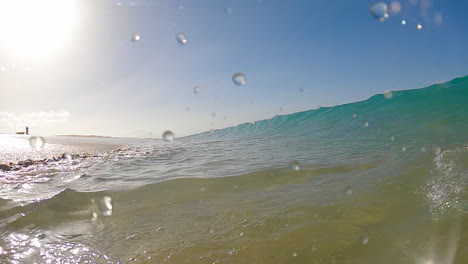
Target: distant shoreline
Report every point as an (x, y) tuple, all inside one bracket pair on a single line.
[(16, 148), (88, 136)]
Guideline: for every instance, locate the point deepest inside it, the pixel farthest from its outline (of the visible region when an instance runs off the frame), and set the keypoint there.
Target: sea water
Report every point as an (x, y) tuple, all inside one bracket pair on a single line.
[(379, 181)]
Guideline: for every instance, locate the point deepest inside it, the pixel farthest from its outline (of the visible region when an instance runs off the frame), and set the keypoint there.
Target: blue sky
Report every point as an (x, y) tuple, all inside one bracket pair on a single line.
[(101, 82)]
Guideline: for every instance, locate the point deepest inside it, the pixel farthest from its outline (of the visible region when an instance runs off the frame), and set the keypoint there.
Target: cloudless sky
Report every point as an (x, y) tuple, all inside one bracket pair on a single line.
[(99, 81)]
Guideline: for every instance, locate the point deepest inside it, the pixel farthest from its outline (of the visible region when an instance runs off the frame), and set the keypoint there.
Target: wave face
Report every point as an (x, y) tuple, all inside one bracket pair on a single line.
[(384, 180), (430, 112)]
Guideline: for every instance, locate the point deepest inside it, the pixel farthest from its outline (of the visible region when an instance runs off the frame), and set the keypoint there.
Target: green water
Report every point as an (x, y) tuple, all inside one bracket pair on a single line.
[(392, 191)]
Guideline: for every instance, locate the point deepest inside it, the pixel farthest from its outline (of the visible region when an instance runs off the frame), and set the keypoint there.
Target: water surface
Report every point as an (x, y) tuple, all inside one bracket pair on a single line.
[(379, 181)]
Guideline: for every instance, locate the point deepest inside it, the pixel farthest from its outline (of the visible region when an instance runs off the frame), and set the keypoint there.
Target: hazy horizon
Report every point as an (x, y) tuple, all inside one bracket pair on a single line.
[(249, 121)]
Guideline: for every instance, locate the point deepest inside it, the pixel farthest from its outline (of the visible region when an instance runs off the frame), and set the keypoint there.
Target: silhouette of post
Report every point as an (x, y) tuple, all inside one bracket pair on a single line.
[(27, 130)]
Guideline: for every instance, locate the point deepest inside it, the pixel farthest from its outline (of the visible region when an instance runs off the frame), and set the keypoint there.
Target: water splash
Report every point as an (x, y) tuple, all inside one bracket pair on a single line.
[(446, 189)]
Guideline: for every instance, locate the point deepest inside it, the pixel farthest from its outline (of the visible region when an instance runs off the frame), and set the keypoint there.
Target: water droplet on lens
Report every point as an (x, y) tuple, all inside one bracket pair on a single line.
[(438, 19), (67, 156), (294, 254), (392, 138), (202, 189), (379, 11), (213, 114), (181, 38), (294, 165), (354, 115), (395, 7), (228, 10), (302, 90), (136, 37), (364, 240), (388, 94), (168, 136), (403, 22), (196, 89), (232, 251), (37, 142), (105, 206), (403, 149), (366, 124), (239, 79), (419, 26), (423, 149), (348, 190)]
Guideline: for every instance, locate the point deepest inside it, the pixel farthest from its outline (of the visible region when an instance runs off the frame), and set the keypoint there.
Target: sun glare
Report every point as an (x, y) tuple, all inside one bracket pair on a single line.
[(34, 29)]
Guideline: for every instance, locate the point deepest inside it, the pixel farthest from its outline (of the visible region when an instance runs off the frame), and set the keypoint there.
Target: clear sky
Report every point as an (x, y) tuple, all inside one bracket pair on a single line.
[(71, 67)]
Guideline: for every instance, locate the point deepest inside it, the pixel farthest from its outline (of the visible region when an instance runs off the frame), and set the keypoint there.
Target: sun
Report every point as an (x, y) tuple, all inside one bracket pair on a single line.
[(36, 29)]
